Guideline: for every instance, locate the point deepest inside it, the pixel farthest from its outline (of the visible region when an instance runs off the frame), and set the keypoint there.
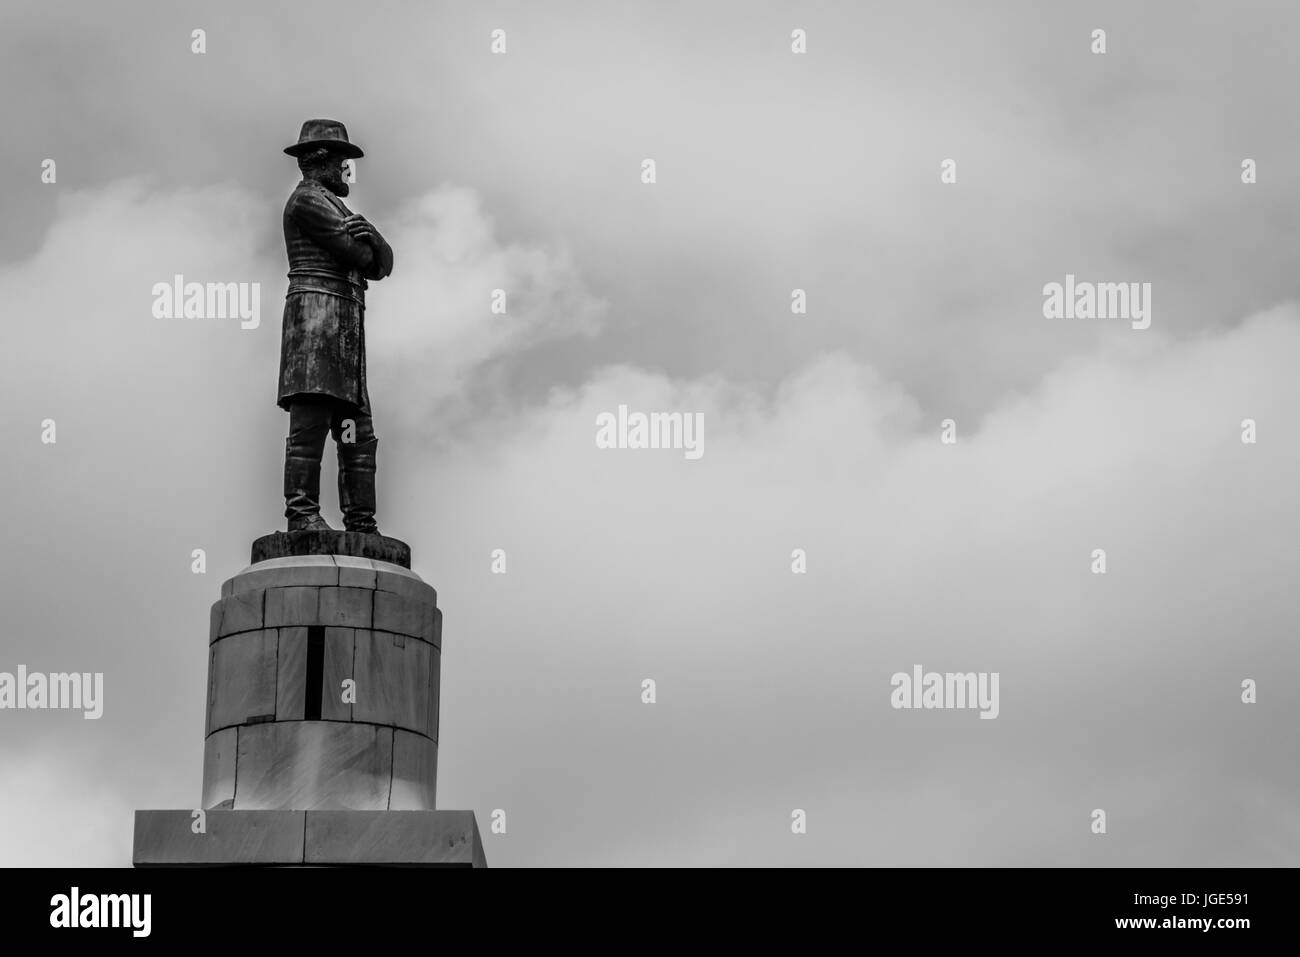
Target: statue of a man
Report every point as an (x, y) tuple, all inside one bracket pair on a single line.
[(332, 252)]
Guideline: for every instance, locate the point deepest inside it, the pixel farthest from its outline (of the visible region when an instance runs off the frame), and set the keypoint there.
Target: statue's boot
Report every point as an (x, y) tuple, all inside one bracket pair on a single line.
[(357, 486), (302, 494)]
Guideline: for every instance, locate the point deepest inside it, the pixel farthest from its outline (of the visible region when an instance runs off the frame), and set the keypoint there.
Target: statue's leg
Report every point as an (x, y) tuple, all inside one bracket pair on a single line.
[(357, 471), (309, 423)]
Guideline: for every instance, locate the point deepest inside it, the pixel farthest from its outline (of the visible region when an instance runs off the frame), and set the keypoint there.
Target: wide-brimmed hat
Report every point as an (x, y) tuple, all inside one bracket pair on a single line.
[(327, 133)]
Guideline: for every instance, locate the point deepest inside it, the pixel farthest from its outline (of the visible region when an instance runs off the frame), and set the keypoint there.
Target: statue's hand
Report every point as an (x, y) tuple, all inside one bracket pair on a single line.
[(360, 229)]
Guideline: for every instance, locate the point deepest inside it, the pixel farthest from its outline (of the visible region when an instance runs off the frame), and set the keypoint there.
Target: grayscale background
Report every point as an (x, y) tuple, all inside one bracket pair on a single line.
[(776, 172)]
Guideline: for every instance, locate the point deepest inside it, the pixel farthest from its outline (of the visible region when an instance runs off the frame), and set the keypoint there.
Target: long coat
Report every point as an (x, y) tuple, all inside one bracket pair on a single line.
[(323, 341)]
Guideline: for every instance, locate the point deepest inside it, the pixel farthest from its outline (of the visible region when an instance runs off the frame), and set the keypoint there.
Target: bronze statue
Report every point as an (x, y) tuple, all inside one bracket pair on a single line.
[(332, 253)]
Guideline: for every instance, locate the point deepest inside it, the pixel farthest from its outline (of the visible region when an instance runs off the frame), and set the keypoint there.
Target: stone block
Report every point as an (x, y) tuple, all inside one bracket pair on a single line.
[(241, 679), (401, 838), (167, 838), (403, 615), (219, 753), (303, 765), (392, 673), (403, 581), (287, 838), (291, 675), (346, 607), (239, 612), (305, 570), (355, 572), (292, 607), (415, 772), (339, 665)]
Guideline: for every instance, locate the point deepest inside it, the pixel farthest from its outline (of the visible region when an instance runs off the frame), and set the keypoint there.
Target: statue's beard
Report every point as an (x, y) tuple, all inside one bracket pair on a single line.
[(330, 176), (337, 185)]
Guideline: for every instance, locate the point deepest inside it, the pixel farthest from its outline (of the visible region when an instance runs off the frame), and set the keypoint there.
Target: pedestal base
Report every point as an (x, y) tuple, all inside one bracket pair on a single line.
[(333, 542), (311, 838)]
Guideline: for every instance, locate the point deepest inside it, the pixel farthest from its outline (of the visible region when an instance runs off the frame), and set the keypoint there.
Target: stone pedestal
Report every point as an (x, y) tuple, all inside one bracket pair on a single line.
[(317, 838), (322, 719)]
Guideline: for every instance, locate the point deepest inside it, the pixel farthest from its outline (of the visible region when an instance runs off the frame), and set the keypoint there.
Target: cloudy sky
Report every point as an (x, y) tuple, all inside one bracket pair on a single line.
[(775, 171)]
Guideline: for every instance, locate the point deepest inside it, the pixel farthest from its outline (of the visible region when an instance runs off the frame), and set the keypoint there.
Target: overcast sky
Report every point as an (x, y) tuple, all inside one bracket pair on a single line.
[(775, 171)]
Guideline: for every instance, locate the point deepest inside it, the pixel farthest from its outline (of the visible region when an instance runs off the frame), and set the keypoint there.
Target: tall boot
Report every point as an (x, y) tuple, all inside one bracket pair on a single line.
[(357, 486), (302, 493)]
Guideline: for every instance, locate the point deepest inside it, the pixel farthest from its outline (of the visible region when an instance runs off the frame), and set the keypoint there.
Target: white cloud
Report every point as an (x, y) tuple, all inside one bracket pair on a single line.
[(430, 325)]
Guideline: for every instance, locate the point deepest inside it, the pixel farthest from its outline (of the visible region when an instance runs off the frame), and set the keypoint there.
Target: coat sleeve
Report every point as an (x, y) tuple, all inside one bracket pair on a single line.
[(382, 266), (322, 222)]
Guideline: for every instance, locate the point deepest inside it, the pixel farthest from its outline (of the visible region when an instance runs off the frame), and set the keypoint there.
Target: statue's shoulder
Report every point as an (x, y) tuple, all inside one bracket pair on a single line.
[(313, 200), (303, 194)]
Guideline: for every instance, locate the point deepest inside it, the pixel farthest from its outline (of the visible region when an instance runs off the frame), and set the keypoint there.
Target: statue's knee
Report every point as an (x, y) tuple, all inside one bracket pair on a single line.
[(306, 441)]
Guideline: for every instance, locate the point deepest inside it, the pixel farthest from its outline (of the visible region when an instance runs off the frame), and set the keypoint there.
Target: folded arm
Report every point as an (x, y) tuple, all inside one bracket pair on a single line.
[(327, 226), (364, 231)]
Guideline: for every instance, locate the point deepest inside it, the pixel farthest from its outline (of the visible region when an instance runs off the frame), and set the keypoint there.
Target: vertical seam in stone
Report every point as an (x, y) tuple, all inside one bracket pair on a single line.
[(392, 766), (212, 668), (234, 788), (314, 692), (275, 699), (356, 688)]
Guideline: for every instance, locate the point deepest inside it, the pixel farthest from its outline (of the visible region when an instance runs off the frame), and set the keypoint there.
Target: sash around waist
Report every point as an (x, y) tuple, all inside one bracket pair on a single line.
[(331, 285)]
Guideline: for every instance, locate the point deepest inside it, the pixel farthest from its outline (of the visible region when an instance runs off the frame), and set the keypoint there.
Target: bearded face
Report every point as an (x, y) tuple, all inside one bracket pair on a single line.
[(329, 169), (336, 169)]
